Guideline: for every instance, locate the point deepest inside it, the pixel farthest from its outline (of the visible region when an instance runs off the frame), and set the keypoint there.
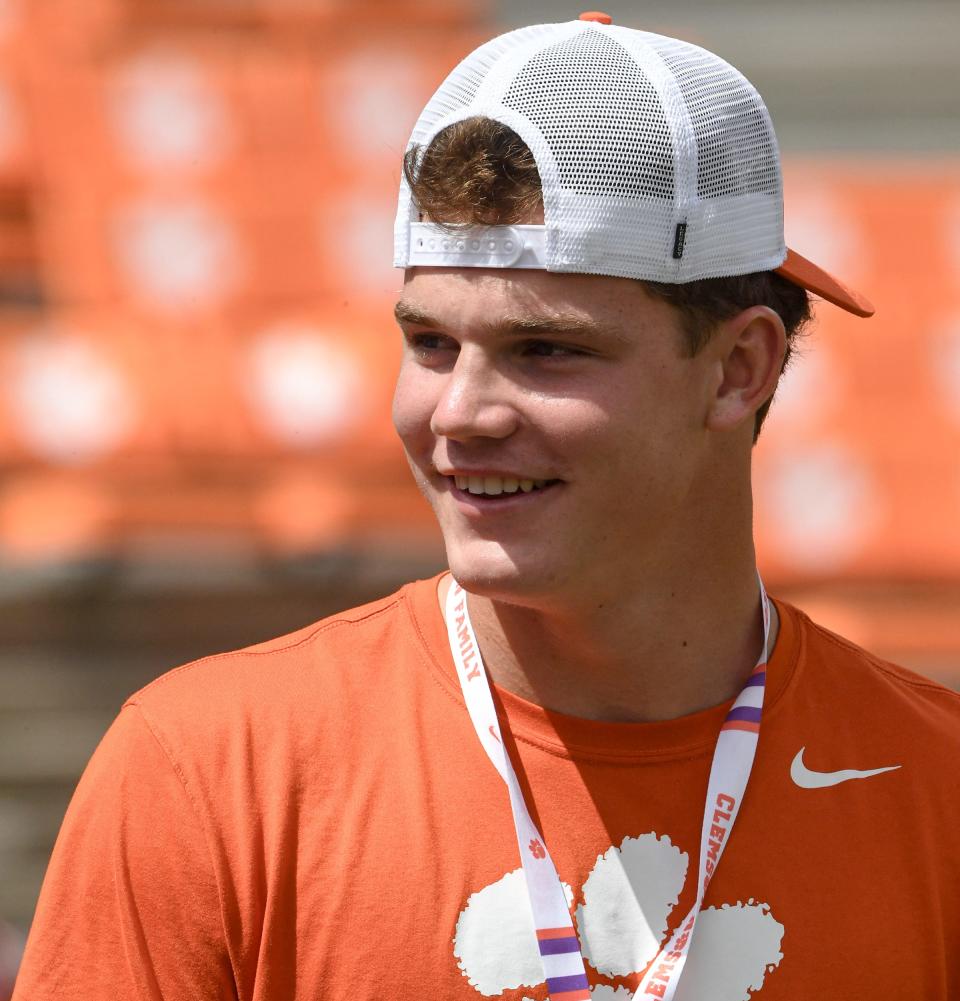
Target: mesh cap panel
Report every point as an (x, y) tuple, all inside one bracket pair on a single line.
[(657, 158), (736, 147), (600, 116)]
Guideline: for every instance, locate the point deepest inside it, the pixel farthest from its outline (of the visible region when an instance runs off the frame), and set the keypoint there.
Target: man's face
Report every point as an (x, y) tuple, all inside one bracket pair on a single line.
[(553, 421)]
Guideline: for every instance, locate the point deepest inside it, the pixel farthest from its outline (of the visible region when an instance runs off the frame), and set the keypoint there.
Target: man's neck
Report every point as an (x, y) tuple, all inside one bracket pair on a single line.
[(648, 655)]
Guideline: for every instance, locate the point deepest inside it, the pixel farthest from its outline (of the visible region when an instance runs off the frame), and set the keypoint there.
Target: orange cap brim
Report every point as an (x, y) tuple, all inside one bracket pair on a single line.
[(800, 271)]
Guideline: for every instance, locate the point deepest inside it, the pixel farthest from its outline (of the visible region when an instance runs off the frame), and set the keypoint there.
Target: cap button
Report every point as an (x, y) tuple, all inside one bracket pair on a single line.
[(596, 15)]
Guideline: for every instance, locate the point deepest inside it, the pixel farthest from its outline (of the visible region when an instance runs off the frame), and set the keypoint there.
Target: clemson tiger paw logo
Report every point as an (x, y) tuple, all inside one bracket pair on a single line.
[(622, 917)]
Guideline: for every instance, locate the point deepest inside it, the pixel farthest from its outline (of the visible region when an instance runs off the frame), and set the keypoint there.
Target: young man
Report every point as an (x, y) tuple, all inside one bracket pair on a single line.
[(593, 760)]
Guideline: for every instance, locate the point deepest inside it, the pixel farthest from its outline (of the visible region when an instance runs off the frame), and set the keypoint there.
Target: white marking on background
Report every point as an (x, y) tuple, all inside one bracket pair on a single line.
[(828, 503), (306, 385)]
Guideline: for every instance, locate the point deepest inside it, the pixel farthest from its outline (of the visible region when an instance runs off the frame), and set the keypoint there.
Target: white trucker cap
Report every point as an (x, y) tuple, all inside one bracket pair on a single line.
[(657, 160)]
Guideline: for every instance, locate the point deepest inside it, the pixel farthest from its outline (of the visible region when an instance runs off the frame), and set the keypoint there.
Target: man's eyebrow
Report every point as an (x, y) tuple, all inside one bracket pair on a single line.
[(405, 312), (558, 323)]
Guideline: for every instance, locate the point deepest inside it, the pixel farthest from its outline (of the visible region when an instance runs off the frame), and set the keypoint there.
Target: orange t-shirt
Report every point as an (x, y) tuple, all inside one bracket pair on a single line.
[(314, 818)]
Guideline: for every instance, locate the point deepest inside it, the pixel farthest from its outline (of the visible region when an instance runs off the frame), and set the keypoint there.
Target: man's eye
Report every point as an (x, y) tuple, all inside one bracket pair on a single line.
[(429, 343), (551, 349)]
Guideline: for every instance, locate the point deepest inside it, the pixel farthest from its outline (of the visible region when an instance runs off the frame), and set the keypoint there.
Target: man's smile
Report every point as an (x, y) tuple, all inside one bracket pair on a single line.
[(478, 491), (494, 485)]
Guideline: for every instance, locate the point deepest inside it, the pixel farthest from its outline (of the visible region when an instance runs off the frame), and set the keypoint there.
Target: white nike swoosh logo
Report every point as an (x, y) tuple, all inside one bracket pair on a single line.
[(807, 779)]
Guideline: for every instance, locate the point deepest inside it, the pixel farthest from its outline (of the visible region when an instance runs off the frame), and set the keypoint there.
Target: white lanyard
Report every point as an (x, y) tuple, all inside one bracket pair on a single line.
[(729, 773)]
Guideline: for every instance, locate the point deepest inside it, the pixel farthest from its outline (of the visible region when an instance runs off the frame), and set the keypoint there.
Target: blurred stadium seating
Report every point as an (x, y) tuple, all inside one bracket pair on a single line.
[(206, 221)]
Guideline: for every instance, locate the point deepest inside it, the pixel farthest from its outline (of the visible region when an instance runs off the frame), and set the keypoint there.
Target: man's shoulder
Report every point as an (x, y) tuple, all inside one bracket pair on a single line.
[(295, 666), (859, 678)]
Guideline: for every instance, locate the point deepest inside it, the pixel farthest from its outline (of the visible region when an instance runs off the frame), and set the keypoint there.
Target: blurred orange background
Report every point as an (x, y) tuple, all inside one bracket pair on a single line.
[(197, 354)]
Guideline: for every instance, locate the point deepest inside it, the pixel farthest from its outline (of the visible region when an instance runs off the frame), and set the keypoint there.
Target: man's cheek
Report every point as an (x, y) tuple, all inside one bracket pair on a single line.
[(411, 410)]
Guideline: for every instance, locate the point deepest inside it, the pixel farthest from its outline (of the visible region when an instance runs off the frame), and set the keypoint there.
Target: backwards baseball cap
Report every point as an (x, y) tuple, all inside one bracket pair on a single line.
[(657, 160)]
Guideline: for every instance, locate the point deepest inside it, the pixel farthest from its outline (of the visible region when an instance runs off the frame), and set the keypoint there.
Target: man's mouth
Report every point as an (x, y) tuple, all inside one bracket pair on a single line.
[(496, 486)]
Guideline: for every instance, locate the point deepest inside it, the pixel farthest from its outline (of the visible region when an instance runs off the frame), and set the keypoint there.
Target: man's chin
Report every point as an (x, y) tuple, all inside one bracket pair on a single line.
[(483, 568)]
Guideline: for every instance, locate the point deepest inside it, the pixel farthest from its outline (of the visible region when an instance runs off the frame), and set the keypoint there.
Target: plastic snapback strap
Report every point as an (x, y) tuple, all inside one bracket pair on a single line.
[(520, 246)]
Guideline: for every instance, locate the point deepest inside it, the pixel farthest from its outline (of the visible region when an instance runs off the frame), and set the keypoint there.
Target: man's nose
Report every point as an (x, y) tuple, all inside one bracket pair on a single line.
[(475, 402)]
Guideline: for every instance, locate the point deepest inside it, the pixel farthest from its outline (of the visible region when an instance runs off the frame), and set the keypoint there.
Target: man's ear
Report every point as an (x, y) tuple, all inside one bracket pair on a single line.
[(750, 348)]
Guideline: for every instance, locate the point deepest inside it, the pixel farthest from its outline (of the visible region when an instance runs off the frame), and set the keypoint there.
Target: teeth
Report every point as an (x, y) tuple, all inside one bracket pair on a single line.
[(493, 486)]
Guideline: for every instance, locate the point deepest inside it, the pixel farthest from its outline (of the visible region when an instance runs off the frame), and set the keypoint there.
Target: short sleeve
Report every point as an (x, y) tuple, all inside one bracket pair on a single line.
[(130, 906)]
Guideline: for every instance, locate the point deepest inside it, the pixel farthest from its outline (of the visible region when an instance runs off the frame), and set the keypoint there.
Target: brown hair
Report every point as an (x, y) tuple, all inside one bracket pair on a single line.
[(480, 172)]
